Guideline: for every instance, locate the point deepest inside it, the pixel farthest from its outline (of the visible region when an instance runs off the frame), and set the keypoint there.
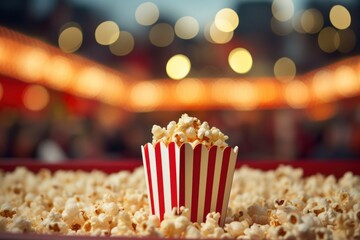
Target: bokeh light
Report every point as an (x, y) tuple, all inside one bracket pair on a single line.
[(328, 40), (244, 96), (240, 60), (107, 33), (311, 21), (296, 22), (280, 28), (147, 13), (284, 69), (113, 92), (323, 87), (59, 72), (123, 45), (186, 27), (226, 20), (297, 94), (70, 39), (36, 98), (340, 17), (178, 66), (145, 96), (221, 88), (347, 40), (268, 91), (215, 35), (283, 10), (90, 82), (347, 82), (31, 63), (190, 91), (161, 35)]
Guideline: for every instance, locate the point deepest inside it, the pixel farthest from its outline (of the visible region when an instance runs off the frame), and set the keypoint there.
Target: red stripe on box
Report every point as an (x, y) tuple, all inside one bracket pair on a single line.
[(209, 180), (173, 178), (222, 183), (195, 183), (182, 177), (148, 171), (160, 181)]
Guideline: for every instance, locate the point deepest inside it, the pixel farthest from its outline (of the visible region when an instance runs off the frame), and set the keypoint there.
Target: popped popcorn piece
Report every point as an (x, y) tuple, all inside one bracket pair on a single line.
[(20, 225), (275, 204), (236, 229), (54, 223), (191, 130)]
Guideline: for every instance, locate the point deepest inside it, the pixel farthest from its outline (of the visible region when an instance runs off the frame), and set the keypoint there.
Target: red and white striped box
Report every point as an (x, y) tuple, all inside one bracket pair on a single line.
[(198, 178)]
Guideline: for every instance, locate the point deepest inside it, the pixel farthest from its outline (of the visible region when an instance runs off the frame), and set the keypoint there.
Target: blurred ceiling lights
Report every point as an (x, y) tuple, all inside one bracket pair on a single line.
[(39, 64)]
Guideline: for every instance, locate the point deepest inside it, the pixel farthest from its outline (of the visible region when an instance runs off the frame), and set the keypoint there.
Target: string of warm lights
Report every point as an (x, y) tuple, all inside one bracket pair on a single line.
[(35, 62)]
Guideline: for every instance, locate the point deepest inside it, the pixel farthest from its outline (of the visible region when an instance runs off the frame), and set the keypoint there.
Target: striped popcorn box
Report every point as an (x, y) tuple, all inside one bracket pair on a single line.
[(197, 178)]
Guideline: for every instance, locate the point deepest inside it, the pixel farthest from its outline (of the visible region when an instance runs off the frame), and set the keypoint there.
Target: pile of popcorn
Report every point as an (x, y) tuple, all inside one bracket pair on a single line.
[(191, 130), (275, 204)]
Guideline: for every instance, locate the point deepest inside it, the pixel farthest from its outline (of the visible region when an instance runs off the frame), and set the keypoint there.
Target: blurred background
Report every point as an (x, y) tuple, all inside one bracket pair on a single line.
[(87, 79)]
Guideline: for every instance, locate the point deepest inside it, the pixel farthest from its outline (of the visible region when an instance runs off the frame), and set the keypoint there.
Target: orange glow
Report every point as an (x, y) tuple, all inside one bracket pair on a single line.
[(346, 81), (297, 94), (30, 64), (321, 112), (90, 82), (3, 52), (113, 91), (244, 96), (58, 72), (36, 98), (323, 87), (220, 90), (190, 91), (30, 60), (146, 96), (268, 91)]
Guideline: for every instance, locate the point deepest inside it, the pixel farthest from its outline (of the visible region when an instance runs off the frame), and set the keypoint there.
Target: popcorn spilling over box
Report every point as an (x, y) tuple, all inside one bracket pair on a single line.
[(189, 164)]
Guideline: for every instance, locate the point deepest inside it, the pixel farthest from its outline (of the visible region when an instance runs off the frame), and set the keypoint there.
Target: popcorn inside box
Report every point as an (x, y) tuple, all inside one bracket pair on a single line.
[(189, 165)]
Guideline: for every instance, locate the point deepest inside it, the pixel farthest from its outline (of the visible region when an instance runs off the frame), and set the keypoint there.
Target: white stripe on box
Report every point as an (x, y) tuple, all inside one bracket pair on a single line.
[(146, 175), (154, 180), (166, 176), (229, 180), (177, 161), (216, 182), (202, 182), (189, 161)]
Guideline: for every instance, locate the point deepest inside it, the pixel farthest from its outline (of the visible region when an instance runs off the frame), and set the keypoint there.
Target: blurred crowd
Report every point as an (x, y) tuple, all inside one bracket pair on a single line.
[(109, 133)]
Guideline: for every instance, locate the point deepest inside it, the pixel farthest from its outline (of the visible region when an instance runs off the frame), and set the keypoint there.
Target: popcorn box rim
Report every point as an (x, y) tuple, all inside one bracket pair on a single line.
[(199, 145)]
